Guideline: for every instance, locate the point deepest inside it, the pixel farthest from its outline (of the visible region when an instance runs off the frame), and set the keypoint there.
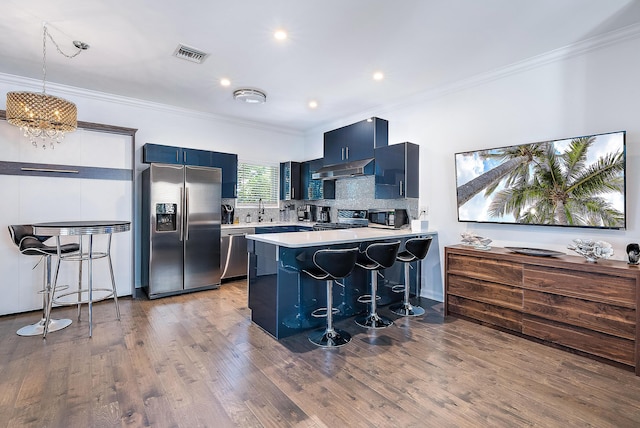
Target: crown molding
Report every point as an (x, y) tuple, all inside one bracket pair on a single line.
[(579, 48), (35, 85)]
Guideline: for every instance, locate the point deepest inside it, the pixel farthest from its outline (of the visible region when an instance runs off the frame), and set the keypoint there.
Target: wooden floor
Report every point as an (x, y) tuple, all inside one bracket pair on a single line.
[(197, 361)]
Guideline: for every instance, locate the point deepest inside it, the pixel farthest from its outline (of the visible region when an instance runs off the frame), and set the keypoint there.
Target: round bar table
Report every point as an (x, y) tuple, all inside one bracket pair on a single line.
[(81, 228)]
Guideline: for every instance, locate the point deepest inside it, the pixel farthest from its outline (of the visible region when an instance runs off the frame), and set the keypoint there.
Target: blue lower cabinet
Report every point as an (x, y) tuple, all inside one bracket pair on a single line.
[(282, 297)]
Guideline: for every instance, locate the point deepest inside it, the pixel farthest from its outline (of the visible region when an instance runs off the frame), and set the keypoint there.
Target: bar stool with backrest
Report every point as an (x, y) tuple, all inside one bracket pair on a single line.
[(331, 265), (414, 249), (377, 256), (33, 245)]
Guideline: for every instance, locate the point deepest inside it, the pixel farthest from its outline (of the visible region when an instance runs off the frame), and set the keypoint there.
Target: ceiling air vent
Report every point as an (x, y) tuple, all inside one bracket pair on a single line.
[(190, 54)]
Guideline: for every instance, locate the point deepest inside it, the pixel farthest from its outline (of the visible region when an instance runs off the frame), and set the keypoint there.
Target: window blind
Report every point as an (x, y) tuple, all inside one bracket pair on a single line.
[(257, 181)]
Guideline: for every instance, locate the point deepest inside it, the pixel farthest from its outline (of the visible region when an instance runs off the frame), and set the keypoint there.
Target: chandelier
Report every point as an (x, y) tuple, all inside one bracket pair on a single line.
[(39, 115)]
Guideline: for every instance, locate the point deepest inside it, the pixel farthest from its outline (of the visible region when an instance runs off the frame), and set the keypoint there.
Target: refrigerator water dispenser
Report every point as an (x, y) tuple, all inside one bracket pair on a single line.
[(166, 217)]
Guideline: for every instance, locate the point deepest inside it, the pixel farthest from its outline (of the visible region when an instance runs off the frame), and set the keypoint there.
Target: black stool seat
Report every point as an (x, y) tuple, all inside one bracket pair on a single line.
[(379, 255), (415, 249), (331, 265), (33, 245)]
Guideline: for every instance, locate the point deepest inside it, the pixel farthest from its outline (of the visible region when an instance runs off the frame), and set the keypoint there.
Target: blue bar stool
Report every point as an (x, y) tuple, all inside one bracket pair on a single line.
[(33, 245), (331, 265), (414, 249), (379, 255)]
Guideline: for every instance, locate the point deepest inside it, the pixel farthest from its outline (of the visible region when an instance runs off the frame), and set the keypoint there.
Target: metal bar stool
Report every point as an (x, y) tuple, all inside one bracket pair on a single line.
[(414, 249), (331, 265), (33, 245), (379, 255)]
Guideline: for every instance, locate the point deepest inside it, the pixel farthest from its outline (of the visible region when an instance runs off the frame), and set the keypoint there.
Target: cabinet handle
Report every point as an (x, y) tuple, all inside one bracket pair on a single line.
[(177, 154), (342, 153), (185, 157), (347, 151), (401, 189), (293, 192)]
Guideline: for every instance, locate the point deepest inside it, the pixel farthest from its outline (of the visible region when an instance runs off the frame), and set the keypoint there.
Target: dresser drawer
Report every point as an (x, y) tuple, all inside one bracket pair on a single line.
[(610, 319), (484, 291), (596, 287), (493, 270), (592, 342), (490, 314)]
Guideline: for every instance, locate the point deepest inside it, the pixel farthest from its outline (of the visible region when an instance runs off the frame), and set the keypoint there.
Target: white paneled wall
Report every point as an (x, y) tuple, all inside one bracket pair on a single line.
[(29, 199)]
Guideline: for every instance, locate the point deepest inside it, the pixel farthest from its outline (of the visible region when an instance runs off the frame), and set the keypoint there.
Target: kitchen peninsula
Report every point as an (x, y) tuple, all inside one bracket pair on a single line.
[(282, 297)]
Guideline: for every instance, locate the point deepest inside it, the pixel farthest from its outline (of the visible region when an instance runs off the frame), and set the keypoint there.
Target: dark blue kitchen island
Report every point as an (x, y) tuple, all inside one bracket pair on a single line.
[(282, 297)]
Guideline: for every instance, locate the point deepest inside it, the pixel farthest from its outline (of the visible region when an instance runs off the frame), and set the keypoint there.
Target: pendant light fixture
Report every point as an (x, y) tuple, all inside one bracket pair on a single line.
[(39, 115)]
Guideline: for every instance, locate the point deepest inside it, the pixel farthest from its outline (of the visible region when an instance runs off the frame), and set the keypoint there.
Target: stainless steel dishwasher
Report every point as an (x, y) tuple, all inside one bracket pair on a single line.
[(233, 251)]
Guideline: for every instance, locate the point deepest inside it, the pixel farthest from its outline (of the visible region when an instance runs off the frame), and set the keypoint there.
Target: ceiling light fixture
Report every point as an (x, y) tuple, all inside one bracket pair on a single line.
[(250, 96), (313, 104), (44, 116), (280, 35), (225, 82), (378, 75)]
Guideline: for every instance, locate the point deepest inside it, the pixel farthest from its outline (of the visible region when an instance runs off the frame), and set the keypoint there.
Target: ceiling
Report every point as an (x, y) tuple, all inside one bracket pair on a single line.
[(332, 50)]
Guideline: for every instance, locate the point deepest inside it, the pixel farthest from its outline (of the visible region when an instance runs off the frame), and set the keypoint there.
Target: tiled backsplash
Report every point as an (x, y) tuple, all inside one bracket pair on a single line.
[(351, 193)]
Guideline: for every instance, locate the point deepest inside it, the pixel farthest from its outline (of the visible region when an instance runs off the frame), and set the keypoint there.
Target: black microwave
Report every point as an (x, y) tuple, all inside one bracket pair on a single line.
[(391, 219)]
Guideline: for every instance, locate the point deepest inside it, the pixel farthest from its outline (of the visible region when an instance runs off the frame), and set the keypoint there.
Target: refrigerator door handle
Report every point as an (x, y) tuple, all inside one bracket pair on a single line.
[(186, 214), (180, 220)]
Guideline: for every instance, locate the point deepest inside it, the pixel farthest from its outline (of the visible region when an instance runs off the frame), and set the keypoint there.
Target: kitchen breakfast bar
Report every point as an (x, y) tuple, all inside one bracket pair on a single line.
[(282, 298)]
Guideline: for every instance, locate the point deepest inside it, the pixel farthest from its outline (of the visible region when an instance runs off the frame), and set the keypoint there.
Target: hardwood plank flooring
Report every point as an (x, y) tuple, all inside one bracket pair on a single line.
[(197, 361)]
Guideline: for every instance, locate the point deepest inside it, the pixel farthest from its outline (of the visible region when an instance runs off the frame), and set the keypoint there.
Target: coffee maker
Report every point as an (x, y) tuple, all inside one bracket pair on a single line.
[(227, 214), (324, 216)]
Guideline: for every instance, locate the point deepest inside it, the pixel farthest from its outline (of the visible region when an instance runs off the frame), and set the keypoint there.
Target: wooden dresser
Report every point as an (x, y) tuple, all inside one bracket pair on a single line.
[(588, 307)]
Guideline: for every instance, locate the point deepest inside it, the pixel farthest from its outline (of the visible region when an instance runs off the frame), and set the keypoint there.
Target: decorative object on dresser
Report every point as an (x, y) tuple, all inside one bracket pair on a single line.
[(591, 250), (588, 308), (633, 252), (478, 242)]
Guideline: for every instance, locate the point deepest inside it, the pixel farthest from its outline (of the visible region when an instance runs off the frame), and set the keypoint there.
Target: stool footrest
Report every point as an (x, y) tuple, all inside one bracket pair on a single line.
[(367, 298), (398, 288), (322, 312)]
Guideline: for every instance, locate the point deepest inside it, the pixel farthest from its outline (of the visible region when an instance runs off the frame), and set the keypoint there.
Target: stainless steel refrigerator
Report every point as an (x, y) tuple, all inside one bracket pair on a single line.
[(181, 215)]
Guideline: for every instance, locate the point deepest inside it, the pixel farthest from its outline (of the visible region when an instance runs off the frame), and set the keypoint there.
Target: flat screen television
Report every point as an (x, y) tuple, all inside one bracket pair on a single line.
[(574, 182)]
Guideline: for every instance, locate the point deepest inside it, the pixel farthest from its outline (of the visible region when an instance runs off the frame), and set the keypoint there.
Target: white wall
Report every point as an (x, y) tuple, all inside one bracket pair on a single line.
[(548, 98), (162, 125)]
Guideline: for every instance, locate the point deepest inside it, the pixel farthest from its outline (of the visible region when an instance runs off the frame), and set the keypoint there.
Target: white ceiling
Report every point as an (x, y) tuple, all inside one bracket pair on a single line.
[(333, 48)]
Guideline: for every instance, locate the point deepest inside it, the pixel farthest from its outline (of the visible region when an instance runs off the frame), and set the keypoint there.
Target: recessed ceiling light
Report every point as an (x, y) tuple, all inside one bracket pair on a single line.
[(378, 75), (280, 35), (225, 82), (313, 104)]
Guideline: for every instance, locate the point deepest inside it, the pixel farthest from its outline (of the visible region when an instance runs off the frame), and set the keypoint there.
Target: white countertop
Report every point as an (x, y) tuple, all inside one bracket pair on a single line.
[(268, 224), (332, 237)]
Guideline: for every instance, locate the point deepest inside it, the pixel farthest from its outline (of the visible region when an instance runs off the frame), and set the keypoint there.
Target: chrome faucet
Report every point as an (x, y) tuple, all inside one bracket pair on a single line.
[(260, 210)]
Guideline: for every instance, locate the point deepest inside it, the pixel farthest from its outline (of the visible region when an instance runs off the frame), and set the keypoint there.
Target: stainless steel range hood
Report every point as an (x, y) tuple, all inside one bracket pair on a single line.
[(344, 170)]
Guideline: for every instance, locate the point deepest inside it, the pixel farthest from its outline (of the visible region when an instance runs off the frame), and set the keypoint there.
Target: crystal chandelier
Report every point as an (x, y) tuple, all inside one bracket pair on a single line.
[(39, 115)]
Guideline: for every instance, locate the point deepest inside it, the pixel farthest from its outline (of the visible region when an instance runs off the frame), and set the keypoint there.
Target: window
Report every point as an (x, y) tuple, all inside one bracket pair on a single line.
[(258, 181)]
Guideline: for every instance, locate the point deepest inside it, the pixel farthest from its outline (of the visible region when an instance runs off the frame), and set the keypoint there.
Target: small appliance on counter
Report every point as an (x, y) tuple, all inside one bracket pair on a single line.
[(388, 218), (305, 213), (324, 216), (227, 214)]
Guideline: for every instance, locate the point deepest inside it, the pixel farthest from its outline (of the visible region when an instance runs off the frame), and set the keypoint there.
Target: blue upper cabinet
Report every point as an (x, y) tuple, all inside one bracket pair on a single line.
[(290, 188), (156, 153), (356, 141), (397, 171), (229, 164)]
